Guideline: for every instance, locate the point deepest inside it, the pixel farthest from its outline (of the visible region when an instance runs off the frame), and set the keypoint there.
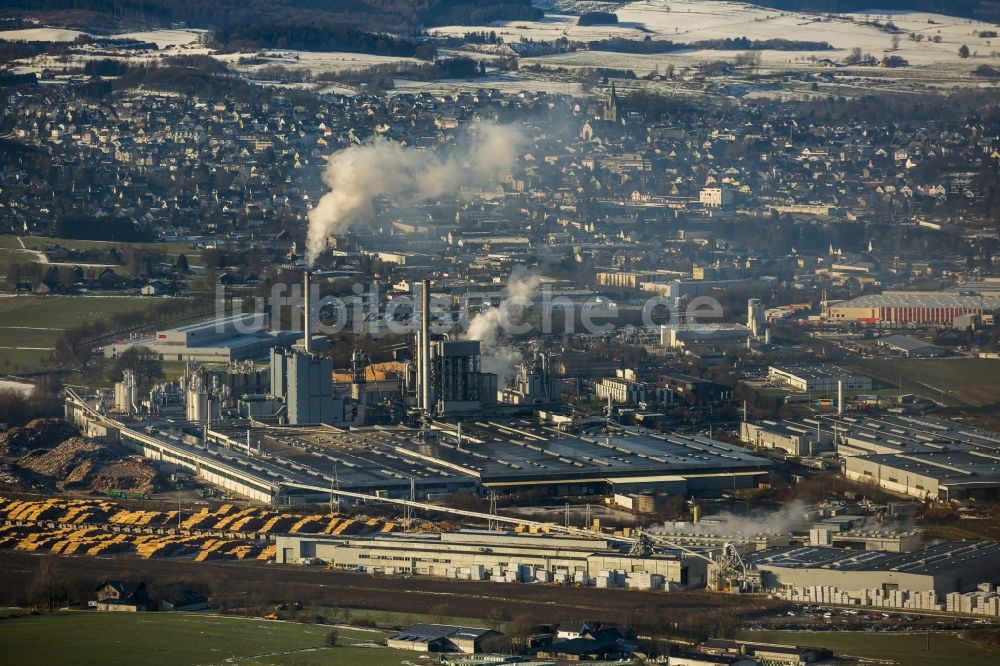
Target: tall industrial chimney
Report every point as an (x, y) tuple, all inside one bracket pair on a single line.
[(425, 345), (307, 314), (418, 356), (840, 396)]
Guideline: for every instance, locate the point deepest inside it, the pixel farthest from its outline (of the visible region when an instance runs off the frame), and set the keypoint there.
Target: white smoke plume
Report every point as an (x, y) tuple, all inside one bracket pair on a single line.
[(786, 519), (490, 326), (405, 176)]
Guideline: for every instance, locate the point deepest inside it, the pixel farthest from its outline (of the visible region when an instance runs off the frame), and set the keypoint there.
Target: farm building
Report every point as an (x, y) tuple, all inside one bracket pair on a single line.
[(440, 638), (122, 596)]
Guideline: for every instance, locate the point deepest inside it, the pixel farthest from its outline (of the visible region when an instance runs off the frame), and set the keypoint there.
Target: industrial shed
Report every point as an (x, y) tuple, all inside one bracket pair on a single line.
[(922, 456), (440, 638), (937, 475), (956, 566), (499, 556), (911, 347)]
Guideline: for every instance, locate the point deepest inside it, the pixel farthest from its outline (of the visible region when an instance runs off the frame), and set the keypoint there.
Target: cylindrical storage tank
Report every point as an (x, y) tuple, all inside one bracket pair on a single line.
[(695, 513), (197, 406), (647, 503), (122, 402)]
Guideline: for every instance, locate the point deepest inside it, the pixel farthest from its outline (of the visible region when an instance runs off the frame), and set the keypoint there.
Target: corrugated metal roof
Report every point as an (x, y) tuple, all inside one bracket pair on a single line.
[(922, 299)]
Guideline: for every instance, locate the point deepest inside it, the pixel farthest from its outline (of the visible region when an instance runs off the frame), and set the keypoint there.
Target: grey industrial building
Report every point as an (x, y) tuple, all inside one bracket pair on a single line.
[(941, 474), (625, 391), (911, 347), (533, 383), (305, 384), (458, 386), (520, 454), (824, 378), (695, 389), (517, 454), (943, 568), (920, 456), (497, 556), (222, 340), (861, 434), (795, 438), (677, 336), (695, 288)]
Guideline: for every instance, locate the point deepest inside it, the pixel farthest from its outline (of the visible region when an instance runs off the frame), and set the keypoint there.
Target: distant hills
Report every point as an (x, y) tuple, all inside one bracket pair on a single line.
[(377, 15), (246, 22), (983, 10)]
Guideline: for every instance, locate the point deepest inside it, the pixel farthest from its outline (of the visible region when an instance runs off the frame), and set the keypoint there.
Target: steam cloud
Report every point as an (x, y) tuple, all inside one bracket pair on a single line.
[(488, 327), (790, 517), (405, 176), (786, 519)]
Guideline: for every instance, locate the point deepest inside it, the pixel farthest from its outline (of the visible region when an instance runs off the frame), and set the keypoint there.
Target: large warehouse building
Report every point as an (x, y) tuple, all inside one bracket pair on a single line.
[(918, 308), (919, 456), (523, 454), (825, 378), (930, 474), (795, 438), (498, 556), (944, 568), (289, 464), (221, 340), (678, 336)]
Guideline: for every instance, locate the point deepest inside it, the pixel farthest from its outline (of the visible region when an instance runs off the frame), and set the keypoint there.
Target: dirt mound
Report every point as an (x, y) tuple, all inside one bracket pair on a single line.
[(51, 454), (69, 464), (13, 479), (132, 475), (80, 464), (39, 434)]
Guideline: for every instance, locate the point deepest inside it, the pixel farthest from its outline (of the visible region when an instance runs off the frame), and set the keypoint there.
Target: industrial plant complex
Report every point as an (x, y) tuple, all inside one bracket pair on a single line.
[(529, 331), (279, 464), (294, 431)]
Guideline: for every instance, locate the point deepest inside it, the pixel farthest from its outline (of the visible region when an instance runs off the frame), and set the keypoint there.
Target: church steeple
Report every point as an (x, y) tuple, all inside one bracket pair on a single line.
[(611, 106)]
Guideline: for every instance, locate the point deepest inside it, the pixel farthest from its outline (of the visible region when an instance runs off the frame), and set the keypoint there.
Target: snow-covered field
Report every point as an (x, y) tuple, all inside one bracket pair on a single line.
[(162, 38), (168, 42), (314, 62), (506, 84), (40, 35), (686, 21), (166, 38), (933, 65)]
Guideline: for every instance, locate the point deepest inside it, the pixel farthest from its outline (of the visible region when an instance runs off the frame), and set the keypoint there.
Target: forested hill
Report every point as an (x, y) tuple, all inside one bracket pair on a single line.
[(375, 15), (983, 10)]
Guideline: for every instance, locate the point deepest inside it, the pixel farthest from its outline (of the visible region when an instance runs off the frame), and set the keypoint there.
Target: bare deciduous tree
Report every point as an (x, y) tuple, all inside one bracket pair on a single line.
[(49, 586)]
